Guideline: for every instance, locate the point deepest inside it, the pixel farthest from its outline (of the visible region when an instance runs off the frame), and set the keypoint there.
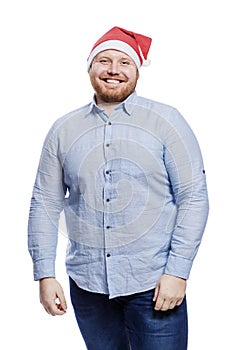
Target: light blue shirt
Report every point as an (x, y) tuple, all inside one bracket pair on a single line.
[(133, 190)]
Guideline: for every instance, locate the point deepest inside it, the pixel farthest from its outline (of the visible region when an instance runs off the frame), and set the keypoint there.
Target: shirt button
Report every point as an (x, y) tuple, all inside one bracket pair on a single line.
[(107, 200), (108, 255), (107, 144), (109, 123), (107, 172), (108, 227)]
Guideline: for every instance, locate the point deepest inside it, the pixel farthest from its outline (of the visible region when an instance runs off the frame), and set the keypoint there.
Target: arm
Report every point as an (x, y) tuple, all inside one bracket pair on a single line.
[(46, 206), (184, 165)]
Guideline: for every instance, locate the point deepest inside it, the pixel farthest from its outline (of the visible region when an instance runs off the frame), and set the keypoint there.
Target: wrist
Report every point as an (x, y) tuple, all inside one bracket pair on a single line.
[(46, 279)]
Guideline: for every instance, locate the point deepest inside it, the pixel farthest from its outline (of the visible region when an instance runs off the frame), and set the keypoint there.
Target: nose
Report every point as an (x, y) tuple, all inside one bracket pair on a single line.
[(113, 68)]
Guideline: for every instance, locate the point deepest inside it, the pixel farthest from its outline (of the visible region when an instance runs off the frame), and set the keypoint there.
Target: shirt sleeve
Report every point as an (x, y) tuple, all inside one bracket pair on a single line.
[(46, 205), (184, 164)]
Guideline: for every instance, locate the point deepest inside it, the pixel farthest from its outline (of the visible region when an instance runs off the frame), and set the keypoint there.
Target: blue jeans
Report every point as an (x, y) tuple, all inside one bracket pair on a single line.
[(129, 322)]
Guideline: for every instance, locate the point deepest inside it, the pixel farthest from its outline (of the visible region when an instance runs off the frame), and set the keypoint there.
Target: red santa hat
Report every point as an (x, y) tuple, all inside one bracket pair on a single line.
[(133, 44)]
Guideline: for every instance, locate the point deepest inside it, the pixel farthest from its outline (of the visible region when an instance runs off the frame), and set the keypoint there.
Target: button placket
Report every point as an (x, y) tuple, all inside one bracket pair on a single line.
[(108, 133), (107, 184)]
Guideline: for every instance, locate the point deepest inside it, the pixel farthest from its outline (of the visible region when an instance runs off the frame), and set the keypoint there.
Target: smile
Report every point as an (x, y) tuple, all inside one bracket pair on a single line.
[(112, 81)]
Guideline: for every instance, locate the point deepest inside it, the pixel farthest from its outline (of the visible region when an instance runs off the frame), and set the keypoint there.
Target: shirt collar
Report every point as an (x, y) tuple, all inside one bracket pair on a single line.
[(92, 106), (129, 103), (126, 105)]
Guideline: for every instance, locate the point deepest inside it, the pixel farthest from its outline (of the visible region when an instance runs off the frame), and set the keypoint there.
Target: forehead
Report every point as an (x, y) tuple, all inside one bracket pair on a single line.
[(112, 53)]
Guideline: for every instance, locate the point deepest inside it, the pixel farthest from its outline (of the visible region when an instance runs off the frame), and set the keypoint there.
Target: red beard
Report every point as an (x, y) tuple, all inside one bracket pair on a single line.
[(117, 94)]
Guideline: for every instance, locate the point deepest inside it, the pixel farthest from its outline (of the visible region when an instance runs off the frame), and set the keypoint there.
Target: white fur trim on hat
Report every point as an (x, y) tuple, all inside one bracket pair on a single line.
[(114, 45)]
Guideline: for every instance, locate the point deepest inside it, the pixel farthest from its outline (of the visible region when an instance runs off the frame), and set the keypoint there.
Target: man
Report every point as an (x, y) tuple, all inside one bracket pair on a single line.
[(128, 173)]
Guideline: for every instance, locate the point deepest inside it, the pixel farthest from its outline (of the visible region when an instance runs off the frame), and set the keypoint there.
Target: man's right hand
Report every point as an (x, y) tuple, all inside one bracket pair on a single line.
[(52, 296)]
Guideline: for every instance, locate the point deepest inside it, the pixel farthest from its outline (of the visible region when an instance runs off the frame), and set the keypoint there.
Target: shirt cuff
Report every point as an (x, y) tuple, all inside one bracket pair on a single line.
[(43, 268), (178, 266)]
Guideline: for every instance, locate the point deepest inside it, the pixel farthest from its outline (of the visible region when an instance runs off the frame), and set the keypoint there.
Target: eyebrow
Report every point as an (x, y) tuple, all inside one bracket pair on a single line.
[(99, 56)]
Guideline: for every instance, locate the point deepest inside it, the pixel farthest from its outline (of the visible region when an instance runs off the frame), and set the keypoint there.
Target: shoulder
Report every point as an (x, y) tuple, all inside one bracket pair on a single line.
[(69, 119), (170, 113), (66, 123), (165, 117), (158, 108), (76, 114)]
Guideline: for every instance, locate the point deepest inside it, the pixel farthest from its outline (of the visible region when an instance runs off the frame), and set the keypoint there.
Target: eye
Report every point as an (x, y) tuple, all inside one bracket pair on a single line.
[(104, 61), (125, 62)]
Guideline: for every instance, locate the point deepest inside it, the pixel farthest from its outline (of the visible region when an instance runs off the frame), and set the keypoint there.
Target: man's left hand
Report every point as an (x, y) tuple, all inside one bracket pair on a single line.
[(169, 292)]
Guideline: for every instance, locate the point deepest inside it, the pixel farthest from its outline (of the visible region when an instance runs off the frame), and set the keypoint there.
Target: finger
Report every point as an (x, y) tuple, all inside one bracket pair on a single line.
[(53, 308), (159, 303), (172, 305), (47, 310), (61, 301), (156, 293), (179, 301), (55, 311), (166, 305), (57, 308)]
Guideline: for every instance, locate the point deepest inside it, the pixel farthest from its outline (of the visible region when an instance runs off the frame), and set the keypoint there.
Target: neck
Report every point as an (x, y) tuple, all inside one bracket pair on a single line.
[(108, 106)]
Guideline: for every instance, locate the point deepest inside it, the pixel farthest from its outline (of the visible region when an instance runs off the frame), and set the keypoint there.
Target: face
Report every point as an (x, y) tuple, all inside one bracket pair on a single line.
[(113, 75)]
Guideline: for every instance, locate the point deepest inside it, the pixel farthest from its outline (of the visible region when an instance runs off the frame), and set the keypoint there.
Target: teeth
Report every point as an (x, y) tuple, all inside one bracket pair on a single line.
[(113, 81)]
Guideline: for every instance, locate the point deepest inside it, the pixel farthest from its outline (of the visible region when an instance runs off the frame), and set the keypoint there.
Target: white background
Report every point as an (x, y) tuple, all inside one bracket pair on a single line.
[(44, 46)]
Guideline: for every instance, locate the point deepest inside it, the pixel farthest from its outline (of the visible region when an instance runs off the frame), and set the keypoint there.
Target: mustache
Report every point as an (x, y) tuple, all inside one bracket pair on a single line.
[(113, 76)]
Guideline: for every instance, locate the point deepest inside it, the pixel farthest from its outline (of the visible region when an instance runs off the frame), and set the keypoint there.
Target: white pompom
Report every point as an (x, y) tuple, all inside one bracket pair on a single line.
[(146, 63)]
